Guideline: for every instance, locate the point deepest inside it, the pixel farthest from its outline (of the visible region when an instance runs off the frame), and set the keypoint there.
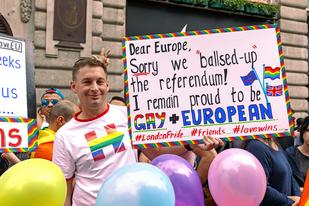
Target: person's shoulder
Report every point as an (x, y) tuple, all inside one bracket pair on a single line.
[(120, 109), (67, 127), (259, 150), (291, 149), (255, 143)]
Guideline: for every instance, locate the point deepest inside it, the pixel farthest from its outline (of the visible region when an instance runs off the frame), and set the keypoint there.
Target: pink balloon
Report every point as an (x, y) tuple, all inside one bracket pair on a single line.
[(236, 177)]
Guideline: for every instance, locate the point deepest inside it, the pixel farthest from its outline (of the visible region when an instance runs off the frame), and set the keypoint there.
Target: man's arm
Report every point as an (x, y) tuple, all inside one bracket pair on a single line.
[(11, 157), (203, 167), (68, 199), (64, 160), (207, 153)]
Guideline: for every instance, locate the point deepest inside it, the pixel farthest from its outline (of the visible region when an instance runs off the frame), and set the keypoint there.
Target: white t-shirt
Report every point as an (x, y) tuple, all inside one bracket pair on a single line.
[(90, 150)]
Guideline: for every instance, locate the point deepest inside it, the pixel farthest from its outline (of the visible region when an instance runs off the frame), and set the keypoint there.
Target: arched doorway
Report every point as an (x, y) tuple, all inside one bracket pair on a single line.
[(5, 27)]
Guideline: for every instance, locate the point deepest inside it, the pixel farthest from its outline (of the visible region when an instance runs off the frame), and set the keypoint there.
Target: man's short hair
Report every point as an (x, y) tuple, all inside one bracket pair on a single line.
[(53, 91), (87, 61), (64, 108)]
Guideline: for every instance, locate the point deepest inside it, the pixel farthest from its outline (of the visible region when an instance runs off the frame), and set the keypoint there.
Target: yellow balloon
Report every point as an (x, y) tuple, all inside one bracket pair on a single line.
[(33, 182)]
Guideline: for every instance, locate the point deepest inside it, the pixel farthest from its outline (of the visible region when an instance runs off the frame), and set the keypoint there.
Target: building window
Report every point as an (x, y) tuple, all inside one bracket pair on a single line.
[(5, 27)]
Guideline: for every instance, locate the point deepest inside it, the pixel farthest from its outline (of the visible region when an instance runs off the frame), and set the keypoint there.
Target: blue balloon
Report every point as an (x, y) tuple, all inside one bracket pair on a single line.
[(137, 184)]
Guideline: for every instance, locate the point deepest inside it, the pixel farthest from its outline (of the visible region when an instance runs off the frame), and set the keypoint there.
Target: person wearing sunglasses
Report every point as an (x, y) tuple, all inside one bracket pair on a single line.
[(50, 97)]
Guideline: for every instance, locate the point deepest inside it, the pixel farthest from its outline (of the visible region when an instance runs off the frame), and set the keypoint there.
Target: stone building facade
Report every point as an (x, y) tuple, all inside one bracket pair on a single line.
[(105, 27), (294, 28)]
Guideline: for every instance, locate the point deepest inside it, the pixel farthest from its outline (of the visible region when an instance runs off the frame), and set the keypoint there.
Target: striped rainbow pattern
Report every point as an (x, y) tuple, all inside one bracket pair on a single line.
[(272, 73), (150, 121), (126, 86), (162, 118), (205, 32), (96, 145), (200, 32), (32, 134), (285, 85)]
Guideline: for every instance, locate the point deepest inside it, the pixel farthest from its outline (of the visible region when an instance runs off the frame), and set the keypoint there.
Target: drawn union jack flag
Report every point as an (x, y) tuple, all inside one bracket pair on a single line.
[(274, 90)]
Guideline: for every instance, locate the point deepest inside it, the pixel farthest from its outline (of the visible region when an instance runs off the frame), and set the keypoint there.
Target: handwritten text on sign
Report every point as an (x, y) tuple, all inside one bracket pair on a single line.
[(221, 84), (13, 89)]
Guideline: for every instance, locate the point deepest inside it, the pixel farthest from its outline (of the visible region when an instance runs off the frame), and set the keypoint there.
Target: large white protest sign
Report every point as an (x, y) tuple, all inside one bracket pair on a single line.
[(228, 83), (17, 131)]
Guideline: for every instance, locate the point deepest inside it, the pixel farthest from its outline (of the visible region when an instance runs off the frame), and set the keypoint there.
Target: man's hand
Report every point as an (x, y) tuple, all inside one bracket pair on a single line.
[(104, 56), (209, 144), (295, 199), (11, 157)]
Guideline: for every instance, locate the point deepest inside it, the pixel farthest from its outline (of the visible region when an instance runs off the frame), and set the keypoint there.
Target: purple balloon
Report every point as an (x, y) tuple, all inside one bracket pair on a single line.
[(185, 180), (236, 177)]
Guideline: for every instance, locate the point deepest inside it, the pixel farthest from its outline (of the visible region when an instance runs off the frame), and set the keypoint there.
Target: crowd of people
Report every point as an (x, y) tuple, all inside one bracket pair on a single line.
[(67, 132)]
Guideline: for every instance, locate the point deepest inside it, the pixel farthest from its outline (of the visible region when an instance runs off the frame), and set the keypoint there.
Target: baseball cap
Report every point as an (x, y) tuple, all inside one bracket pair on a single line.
[(53, 91)]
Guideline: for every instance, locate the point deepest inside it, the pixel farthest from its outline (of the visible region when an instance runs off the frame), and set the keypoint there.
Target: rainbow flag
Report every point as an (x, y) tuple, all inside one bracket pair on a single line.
[(271, 73)]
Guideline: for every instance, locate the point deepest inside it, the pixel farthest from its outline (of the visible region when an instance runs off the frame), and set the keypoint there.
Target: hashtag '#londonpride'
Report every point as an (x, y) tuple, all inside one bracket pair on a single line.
[(236, 129), (193, 132)]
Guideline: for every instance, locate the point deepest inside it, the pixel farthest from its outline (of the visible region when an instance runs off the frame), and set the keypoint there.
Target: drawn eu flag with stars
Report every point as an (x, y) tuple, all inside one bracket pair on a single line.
[(249, 78)]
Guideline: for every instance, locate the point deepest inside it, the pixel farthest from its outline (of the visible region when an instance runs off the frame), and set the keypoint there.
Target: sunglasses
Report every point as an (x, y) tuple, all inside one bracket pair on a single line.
[(45, 102)]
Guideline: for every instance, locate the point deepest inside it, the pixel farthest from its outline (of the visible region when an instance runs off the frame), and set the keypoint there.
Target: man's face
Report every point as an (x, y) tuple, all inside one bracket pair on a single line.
[(47, 102), (91, 87)]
